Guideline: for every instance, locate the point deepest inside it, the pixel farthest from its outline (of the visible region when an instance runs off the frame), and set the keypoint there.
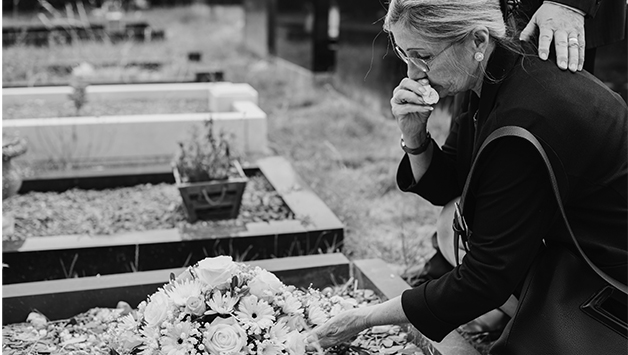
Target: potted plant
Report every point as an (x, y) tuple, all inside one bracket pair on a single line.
[(12, 147), (210, 179)]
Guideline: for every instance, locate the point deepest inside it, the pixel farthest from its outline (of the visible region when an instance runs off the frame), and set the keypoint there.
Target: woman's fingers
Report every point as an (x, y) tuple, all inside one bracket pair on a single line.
[(417, 87), (406, 109), (407, 97)]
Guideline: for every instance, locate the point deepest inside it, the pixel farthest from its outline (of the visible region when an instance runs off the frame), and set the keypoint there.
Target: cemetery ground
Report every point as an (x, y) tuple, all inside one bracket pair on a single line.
[(347, 153)]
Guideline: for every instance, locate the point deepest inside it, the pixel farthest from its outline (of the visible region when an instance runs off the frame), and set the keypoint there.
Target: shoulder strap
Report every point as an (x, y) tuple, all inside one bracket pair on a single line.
[(525, 134)]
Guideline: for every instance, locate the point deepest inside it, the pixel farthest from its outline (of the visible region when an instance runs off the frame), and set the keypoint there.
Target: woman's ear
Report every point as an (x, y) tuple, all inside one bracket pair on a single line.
[(480, 37)]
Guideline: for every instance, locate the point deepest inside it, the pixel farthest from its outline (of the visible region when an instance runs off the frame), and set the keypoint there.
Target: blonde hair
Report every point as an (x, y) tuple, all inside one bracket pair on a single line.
[(451, 20)]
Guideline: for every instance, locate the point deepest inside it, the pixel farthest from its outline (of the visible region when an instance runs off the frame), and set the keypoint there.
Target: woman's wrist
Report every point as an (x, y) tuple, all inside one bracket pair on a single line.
[(413, 141), (420, 149), (388, 312)]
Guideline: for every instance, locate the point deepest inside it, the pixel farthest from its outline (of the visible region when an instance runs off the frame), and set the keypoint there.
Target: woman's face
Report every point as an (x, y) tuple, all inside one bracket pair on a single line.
[(451, 65)]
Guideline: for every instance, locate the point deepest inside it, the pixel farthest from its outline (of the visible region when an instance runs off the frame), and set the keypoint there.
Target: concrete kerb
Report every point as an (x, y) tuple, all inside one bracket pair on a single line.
[(233, 107)]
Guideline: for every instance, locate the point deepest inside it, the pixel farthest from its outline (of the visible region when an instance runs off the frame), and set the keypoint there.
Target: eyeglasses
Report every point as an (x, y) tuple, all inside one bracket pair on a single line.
[(461, 231), (419, 62)]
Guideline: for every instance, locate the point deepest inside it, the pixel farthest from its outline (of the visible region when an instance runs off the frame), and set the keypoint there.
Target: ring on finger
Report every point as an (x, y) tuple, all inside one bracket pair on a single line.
[(573, 41)]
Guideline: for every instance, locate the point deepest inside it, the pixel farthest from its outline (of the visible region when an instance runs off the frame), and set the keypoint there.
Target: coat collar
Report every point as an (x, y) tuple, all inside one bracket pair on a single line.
[(499, 65)]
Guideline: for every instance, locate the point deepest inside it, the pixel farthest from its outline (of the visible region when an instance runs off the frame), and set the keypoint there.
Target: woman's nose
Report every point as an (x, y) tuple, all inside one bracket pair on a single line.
[(415, 72)]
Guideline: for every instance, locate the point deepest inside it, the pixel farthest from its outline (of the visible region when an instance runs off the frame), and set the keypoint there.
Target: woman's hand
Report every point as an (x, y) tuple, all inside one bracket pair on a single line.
[(410, 109), (336, 330)]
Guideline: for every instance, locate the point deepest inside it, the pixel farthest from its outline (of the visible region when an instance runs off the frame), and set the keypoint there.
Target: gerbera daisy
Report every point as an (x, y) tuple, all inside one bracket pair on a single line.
[(256, 314), (316, 315), (150, 336), (292, 305), (279, 331), (221, 304), (184, 289), (128, 322), (178, 339)]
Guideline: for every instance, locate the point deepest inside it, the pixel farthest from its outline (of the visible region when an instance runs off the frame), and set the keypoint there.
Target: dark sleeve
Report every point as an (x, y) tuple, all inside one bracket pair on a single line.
[(440, 183), (513, 209), (589, 7)]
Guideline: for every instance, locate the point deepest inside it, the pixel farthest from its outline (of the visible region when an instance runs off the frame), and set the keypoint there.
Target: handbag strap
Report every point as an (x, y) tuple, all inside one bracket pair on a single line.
[(525, 134)]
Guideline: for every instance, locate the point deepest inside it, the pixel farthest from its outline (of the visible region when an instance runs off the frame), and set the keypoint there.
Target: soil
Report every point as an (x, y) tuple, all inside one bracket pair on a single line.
[(128, 209)]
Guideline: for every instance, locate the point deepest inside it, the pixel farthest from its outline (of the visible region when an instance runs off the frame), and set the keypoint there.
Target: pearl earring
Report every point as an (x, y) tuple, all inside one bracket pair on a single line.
[(479, 56)]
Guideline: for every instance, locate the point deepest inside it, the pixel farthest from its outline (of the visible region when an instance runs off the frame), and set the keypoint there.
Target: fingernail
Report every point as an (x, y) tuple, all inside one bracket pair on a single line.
[(573, 67), (563, 64), (543, 55)]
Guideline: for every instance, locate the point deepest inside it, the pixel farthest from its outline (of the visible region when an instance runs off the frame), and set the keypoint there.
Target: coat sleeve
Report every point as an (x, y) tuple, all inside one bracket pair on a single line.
[(441, 182), (589, 7)]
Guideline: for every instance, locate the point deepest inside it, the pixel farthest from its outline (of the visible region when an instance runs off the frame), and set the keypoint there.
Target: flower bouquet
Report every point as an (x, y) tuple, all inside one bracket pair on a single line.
[(222, 307)]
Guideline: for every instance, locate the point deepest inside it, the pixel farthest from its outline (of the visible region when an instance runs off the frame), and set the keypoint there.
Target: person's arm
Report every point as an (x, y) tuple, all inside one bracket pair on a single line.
[(509, 209), (561, 21), (412, 113), (443, 180), (349, 323)]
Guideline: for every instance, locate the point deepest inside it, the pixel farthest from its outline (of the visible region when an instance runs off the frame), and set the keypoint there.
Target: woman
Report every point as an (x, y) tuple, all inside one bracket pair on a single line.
[(459, 45)]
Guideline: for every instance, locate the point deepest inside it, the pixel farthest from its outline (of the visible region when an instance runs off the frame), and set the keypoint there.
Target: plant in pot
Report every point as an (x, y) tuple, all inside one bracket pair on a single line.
[(210, 179), (12, 147)]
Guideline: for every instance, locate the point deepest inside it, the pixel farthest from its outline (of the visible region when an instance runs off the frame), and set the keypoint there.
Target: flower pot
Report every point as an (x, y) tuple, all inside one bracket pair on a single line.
[(212, 200), (11, 175)]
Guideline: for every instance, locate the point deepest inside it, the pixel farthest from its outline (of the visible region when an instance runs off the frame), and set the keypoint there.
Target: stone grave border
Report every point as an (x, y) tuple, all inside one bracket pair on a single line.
[(135, 139), (315, 226)]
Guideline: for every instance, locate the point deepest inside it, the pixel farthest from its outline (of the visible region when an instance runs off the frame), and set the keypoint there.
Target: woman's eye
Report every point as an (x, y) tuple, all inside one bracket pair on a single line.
[(417, 56)]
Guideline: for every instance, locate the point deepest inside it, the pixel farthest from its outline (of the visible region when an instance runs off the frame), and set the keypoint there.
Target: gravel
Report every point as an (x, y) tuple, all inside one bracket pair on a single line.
[(128, 209)]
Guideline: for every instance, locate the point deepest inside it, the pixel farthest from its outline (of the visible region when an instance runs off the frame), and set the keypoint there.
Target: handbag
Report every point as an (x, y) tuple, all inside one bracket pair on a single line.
[(567, 304)]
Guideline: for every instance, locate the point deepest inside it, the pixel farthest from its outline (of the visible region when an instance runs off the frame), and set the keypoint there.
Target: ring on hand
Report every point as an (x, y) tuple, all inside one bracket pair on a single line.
[(573, 41)]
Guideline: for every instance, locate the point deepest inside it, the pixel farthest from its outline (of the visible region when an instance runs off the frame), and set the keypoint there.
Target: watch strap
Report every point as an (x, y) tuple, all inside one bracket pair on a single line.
[(420, 149)]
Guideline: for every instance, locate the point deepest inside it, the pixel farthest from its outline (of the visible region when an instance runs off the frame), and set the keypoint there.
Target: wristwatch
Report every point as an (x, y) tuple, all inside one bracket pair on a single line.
[(418, 150)]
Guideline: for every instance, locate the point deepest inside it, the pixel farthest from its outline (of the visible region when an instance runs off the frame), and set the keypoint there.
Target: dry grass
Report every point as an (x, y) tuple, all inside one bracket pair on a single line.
[(345, 152)]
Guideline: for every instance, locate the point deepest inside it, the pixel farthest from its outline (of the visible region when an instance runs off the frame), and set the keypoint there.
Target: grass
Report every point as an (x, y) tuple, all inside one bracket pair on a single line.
[(345, 152)]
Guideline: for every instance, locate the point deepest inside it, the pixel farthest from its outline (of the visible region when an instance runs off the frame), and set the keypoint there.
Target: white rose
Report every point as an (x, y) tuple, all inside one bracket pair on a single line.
[(224, 336), (296, 343), (216, 271), (265, 285), (156, 310), (195, 306)]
